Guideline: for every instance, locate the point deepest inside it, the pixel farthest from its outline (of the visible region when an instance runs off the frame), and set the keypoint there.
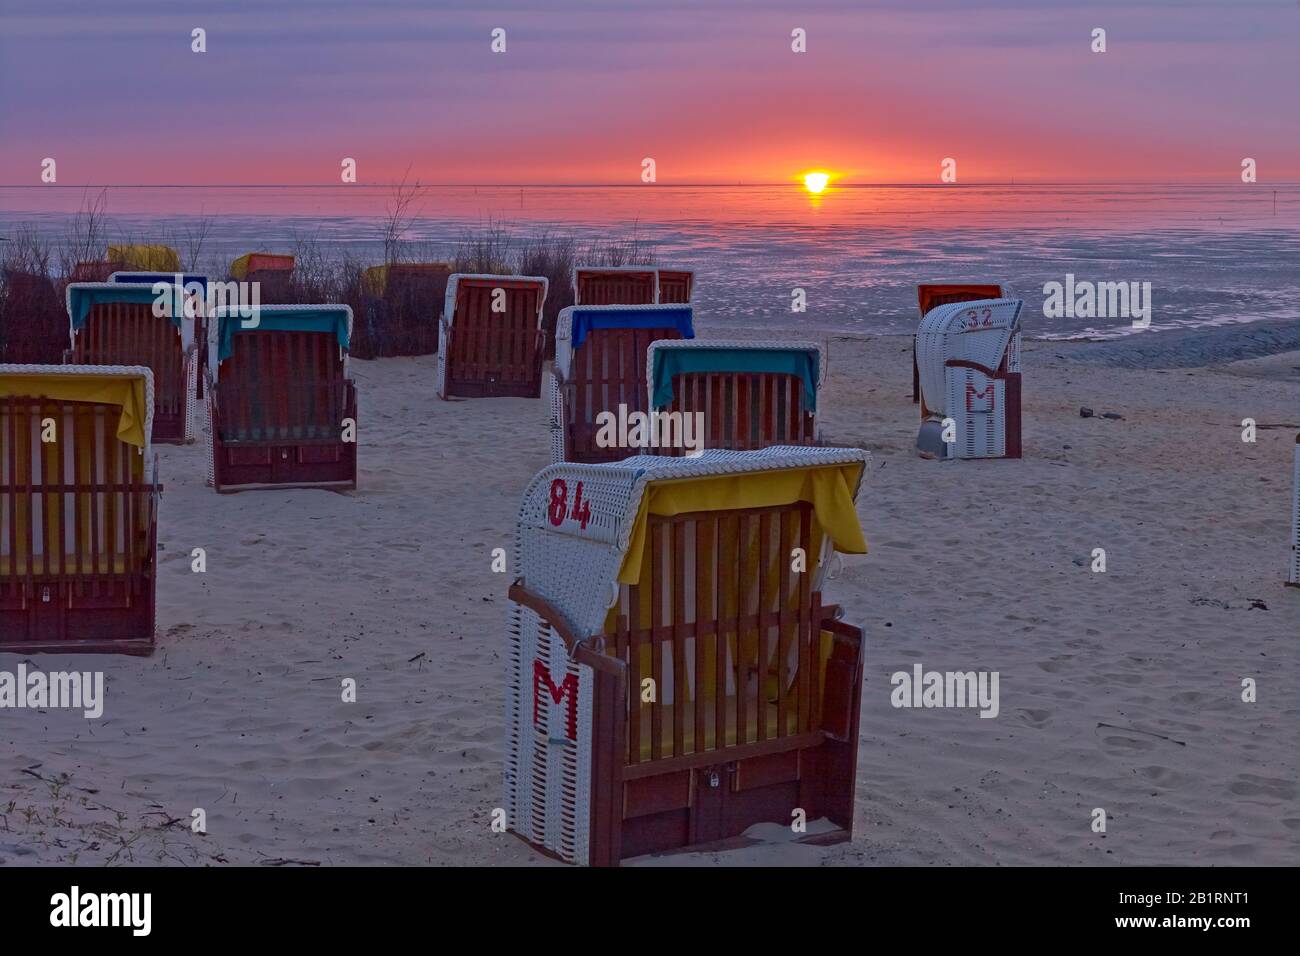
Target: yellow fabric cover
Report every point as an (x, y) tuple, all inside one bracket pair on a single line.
[(127, 393), (146, 258), (376, 279), (828, 488)]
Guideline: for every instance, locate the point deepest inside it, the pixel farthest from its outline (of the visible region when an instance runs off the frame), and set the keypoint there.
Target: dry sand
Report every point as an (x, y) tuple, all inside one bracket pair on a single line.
[(1119, 690)]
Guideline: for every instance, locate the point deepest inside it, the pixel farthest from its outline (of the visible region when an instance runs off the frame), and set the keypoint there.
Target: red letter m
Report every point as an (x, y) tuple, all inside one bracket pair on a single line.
[(568, 686), (979, 401)]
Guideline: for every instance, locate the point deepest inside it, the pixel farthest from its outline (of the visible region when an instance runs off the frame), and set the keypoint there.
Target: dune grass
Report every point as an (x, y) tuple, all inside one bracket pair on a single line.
[(35, 269)]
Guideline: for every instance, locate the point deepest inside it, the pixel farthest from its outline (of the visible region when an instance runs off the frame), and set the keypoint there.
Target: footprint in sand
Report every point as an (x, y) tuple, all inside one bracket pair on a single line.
[(1034, 718), (1249, 785), (1119, 746)]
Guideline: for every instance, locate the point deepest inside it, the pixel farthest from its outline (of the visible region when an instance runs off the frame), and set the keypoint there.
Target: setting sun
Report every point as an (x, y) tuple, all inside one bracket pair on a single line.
[(816, 182)]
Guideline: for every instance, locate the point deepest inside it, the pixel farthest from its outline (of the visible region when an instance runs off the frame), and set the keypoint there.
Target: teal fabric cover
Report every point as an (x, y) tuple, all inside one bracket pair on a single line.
[(82, 299), (670, 362), (310, 318)]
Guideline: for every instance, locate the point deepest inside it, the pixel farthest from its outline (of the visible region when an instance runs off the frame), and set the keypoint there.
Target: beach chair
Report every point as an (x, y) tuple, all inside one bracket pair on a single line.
[(673, 676), (35, 328), (615, 285), (600, 365), (397, 300), (195, 287), (273, 272), (112, 323), (145, 258), (1293, 578), (78, 509), (282, 407), (490, 341), (98, 270), (746, 395), (675, 286), (969, 359), (930, 295)]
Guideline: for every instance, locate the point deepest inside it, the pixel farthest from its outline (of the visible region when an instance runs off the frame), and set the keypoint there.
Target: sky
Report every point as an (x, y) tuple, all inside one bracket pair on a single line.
[(587, 89)]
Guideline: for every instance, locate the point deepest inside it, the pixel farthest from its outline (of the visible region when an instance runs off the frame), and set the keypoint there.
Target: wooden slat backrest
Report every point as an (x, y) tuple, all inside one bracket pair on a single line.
[(282, 386), (744, 411), (675, 286), (128, 333), (495, 346), (73, 506), (607, 371), (596, 287), (725, 629)]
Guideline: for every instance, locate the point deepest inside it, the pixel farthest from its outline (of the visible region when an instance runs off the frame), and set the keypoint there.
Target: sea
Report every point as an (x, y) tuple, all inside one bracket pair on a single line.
[(1212, 254)]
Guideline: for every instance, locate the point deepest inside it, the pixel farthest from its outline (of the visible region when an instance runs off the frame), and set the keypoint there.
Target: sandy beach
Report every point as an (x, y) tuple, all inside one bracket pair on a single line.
[(1119, 690)]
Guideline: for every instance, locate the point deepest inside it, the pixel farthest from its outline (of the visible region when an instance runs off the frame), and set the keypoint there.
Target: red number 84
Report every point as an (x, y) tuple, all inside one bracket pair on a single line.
[(581, 511)]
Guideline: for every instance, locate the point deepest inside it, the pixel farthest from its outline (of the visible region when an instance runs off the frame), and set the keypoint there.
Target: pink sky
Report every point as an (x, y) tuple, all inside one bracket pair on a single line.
[(709, 88)]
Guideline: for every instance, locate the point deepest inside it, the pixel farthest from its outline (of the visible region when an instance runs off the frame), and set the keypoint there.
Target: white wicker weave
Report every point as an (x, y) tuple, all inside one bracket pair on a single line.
[(547, 775), (1294, 576), (981, 331), (556, 421), (209, 453), (191, 386), (103, 371)]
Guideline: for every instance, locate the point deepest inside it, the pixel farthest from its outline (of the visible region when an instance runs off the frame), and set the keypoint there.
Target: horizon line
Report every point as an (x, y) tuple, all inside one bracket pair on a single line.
[(793, 184)]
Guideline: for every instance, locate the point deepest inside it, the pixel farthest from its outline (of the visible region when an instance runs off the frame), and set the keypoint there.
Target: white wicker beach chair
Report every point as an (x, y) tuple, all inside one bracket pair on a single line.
[(666, 659), (968, 356)]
